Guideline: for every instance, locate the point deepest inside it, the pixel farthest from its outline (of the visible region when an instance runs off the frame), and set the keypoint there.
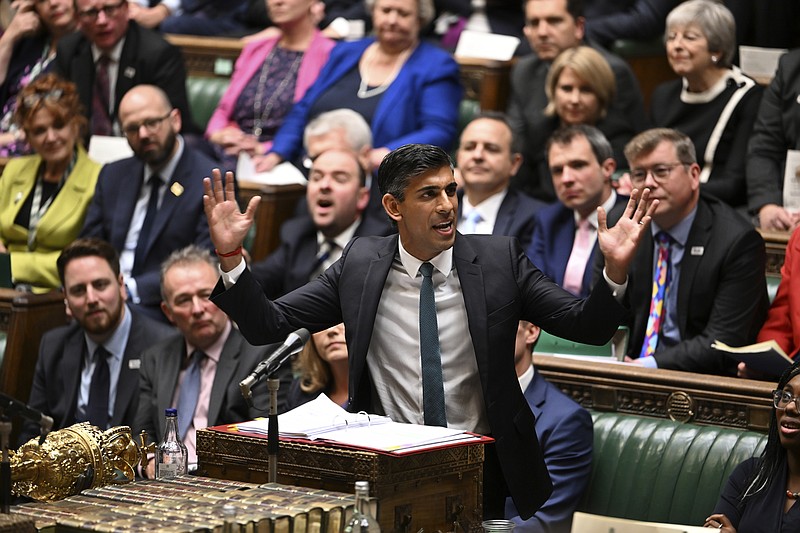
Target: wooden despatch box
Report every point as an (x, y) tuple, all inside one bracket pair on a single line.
[(436, 490)]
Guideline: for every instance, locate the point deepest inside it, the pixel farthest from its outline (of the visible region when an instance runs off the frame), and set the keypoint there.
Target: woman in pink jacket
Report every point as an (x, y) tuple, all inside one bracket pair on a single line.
[(270, 76)]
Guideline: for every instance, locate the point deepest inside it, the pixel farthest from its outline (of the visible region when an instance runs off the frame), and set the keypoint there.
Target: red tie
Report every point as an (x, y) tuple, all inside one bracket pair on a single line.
[(101, 96)]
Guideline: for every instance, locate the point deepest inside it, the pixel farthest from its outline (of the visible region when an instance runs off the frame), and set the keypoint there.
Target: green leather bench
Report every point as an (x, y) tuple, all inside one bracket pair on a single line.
[(658, 470)]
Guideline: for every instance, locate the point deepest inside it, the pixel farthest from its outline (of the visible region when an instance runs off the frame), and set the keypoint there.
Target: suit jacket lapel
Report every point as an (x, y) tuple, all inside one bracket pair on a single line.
[(71, 368), (168, 368), (535, 394), (505, 215), (126, 74), (368, 307), (226, 367), (126, 193), (470, 275), (699, 235), (565, 233), (170, 200), (128, 383), (83, 74)]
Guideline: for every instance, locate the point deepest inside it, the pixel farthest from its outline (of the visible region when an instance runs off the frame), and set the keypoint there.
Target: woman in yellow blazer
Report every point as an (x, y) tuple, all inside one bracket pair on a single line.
[(44, 197)]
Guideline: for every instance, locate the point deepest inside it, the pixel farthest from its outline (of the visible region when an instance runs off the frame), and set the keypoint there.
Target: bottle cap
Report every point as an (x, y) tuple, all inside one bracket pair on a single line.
[(363, 485), (171, 411)]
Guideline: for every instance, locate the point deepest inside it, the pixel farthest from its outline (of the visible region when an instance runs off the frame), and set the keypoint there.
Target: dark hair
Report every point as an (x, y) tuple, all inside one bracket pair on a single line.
[(58, 96), (88, 247), (774, 456), (410, 161), (565, 135), (499, 116), (574, 7)]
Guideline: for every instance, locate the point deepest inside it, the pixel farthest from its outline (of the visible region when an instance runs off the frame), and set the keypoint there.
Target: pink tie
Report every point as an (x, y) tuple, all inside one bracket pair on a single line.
[(576, 266)]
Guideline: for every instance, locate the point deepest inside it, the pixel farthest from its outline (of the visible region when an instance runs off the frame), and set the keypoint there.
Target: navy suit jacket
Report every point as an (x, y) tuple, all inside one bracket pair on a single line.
[(553, 237), (58, 373), (146, 58), (181, 220), (292, 264), (161, 366), (566, 434), (722, 290), (499, 285), (516, 216)]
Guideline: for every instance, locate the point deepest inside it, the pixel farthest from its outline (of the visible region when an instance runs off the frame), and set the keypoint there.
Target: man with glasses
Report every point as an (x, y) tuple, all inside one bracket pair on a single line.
[(552, 26), (699, 275), (150, 204), (110, 55)]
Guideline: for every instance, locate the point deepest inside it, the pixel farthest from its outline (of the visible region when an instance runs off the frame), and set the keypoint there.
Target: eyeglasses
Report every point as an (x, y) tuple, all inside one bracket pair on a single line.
[(660, 173), (53, 95), (781, 399), (108, 10), (151, 125)]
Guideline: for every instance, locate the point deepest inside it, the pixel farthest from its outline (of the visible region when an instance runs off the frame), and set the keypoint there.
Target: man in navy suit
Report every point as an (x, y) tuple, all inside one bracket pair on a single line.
[(488, 157), (68, 356), (336, 198), (482, 286), (581, 163), (142, 226), (565, 434)]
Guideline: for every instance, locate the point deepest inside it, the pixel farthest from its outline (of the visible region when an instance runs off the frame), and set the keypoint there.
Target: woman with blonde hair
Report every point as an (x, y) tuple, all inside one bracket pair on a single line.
[(321, 367)]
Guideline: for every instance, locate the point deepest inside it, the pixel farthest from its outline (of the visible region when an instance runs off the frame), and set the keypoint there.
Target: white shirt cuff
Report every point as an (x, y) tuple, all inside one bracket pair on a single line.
[(617, 290), (230, 278), (648, 362)]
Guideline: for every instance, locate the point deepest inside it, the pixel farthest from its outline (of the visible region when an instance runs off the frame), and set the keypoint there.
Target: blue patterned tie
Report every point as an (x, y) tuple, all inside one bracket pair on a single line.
[(660, 283), (190, 390), (471, 222), (432, 384)]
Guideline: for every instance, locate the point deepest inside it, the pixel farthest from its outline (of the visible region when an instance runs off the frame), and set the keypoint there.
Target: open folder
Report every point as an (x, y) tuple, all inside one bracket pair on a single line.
[(323, 419)]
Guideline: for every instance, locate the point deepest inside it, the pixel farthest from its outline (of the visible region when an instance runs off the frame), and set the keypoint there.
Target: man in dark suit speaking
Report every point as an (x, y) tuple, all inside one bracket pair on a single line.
[(150, 204), (460, 316)]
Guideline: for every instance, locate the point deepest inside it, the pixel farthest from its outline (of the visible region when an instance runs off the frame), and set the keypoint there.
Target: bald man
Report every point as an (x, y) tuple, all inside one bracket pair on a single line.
[(152, 203)]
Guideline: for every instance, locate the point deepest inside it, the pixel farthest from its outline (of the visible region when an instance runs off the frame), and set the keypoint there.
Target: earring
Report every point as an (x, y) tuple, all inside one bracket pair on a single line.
[(714, 59)]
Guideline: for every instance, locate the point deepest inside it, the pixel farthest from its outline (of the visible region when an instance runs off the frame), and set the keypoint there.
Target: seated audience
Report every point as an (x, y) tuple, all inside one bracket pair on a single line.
[(150, 204), (198, 369), (552, 26), (580, 87), (191, 17), (698, 275), (110, 55), (565, 434), (774, 135), (27, 48), (88, 371), (762, 492), (321, 367), (565, 234), (270, 76), (713, 102), (487, 158), (336, 197), (44, 197), (609, 20), (406, 89)]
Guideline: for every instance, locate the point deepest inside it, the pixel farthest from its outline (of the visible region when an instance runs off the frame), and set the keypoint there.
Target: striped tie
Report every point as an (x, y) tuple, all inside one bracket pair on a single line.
[(660, 282)]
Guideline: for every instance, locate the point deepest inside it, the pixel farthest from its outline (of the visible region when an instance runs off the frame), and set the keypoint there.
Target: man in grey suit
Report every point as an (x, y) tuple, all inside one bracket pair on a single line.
[(71, 383), (207, 347), (482, 286)]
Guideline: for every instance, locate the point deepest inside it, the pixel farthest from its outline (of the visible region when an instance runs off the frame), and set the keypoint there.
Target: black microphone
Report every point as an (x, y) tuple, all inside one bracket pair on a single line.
[(12, 406), (293, 344)]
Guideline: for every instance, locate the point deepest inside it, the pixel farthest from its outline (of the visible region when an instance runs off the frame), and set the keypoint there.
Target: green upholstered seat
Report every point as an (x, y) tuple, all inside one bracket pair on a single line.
[(204, 93), (662, 471)]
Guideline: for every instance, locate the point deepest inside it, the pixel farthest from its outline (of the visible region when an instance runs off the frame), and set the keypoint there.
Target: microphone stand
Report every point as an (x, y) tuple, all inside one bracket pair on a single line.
[(273, 434), (5, 466)]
